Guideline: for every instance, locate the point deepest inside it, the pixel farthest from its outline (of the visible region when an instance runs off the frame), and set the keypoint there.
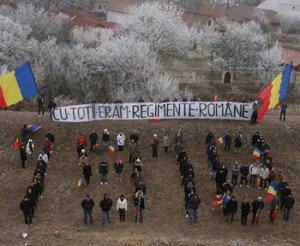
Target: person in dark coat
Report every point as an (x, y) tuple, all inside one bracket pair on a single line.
[(238, 142), (154, 145), (23, 155), (24, 134), (220, 180), (245, 210), (193, 206), (87, 172), (93, 139), (283, 108), (224, 169), (231, 209), (139, 203), (244, 175), (105, 205), (284, 191), (288, 204), (228, 141), (31, 196), (52, 105), (257, 207), (103, 171), (41, 100), (87, 204), (134, 136), (26, 208), (141, 188), (119, 168), (209, 138), (255, 139)]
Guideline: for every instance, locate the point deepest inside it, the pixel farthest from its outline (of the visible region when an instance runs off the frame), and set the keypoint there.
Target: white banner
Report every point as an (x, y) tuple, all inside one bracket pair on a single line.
[(143, 111)]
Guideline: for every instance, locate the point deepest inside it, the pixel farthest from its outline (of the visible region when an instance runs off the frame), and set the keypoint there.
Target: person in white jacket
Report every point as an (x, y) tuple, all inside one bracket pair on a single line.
[(30, 148), (122, 207), (264, 175), (254, 172), (44, 156), (121, 141)]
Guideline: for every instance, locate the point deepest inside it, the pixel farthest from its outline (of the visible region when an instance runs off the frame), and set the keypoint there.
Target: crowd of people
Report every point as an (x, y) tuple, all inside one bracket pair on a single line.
[(258, 175), (261, 173), (139, 188), (35, 190)]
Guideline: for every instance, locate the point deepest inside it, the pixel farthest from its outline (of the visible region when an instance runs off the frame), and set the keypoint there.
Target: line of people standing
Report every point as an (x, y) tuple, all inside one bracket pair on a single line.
[(35, 190)]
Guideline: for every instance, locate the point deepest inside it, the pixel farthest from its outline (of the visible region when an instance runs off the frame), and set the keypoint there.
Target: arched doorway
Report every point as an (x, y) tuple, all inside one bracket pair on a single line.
[(227, 78)]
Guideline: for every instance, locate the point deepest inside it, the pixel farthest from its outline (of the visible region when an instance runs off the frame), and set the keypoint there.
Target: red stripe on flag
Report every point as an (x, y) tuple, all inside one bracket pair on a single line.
[(269, 196), (265, 98), (2, 100)]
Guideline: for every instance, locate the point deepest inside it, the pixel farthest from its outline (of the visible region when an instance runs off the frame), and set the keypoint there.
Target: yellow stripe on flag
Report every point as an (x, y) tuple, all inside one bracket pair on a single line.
[(275, 91), (10, 88), (272, 191)]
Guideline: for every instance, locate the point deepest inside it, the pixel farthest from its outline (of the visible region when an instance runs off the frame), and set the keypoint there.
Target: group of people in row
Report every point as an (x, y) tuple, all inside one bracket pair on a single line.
[(186, 169), (136, 178), (36, 188), (262, 174)]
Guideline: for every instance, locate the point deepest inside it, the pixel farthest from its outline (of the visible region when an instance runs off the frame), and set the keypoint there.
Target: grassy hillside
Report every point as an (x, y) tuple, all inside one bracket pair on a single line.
[(59, 218)]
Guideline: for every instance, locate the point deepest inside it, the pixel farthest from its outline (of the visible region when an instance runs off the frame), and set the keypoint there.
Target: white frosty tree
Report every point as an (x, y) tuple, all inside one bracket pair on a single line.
[(161, 26), (243, 45), (290, 23)]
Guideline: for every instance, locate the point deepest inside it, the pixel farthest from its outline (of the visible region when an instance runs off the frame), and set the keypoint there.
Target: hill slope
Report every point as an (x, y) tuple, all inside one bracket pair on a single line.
[(59, 216)]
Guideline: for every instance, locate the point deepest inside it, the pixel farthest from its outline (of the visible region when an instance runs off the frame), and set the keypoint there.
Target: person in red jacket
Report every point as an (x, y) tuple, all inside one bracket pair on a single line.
[(81, 143), (47, 147)]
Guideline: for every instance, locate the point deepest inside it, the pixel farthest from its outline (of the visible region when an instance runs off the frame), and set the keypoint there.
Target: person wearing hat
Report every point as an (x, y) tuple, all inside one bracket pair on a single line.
[(257, 207), (119, 168), (121, 141), (154, 145)]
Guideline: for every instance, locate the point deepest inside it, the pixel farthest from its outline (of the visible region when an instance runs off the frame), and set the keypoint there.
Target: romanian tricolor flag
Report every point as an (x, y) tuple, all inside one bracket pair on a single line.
[(220, 140), (17, 85), (275, 92), (81, 182), (216, 98), (256, 154), (272, 191), (16, 144), (33, 128), (112, 148)]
